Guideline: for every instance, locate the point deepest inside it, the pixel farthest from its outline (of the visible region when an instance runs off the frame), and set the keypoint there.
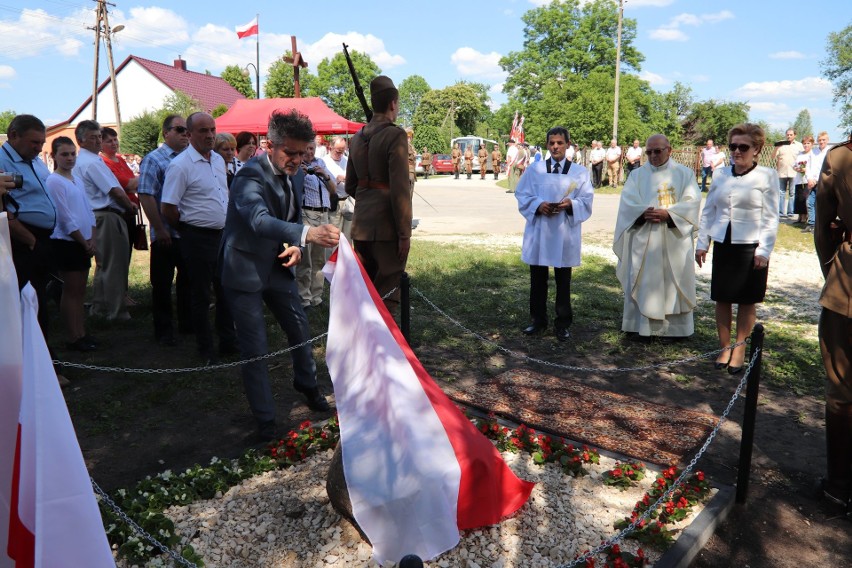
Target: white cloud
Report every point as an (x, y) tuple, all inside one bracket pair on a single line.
[(671, 31), (496, 88), (807, 88), (471, 63), (653, 78), (767, 107), (37, 32), (331, 43), (7, 72), (147, 26), (666, 34), (787, 55), (641, 3)]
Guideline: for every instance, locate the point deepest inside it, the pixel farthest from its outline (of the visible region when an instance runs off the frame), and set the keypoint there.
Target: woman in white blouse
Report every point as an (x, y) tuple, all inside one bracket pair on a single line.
[(800, 182), (741, 218), (73, 240)]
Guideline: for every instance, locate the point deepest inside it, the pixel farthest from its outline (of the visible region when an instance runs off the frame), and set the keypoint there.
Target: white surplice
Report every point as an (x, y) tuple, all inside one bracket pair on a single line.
[(655, 261), (553, 240)]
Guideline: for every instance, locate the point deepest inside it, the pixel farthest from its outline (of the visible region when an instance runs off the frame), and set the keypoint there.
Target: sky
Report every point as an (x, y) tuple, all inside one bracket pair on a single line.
[(766, 54)]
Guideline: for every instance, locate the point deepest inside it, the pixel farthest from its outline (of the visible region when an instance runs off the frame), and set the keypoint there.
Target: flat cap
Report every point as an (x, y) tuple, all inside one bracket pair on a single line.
[(381, 83)]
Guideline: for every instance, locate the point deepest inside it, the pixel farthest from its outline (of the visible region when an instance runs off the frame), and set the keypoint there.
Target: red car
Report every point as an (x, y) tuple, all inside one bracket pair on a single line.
[(442, 163)]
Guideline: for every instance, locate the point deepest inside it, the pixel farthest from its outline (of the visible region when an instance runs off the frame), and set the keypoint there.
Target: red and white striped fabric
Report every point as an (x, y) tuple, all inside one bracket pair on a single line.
[(48, 513), (417, 470), (247, 30)]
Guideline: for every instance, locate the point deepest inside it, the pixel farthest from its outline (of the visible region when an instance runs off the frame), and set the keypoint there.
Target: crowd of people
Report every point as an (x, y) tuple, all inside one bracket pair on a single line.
[(236, 225)]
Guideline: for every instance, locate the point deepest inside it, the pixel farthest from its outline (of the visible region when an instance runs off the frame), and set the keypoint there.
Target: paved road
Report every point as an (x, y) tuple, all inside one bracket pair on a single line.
[(447, 206)]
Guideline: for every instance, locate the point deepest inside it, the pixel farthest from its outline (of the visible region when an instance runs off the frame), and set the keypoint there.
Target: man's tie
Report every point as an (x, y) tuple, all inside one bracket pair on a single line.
[(555, 168)]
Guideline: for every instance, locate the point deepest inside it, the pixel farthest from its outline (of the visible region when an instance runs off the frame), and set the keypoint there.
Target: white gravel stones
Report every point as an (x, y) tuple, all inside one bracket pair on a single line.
[(282, 519)]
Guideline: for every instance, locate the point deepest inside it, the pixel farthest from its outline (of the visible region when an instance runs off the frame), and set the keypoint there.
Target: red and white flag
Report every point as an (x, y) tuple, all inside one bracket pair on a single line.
[(247, 30), (417, 470), (50, 514)]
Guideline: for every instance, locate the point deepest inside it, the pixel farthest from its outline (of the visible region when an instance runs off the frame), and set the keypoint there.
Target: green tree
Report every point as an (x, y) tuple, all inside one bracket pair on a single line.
[(803, 125), (772, 134), (411, 91), (280, 82), (837, 68), (219, 110), (335, 86), (562, 39), (180, 103), (5, 118), (713, 119), (456, 109), (141, 134), (240, 79), (432, 138)]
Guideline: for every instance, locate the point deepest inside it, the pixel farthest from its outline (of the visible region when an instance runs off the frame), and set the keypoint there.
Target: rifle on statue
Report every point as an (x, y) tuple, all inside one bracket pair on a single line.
[(358, 90)]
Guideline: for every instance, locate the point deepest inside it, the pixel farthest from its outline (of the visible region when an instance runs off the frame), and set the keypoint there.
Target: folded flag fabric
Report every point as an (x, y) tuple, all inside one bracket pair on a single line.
[(417, 469), (48, 513), (247, 30)]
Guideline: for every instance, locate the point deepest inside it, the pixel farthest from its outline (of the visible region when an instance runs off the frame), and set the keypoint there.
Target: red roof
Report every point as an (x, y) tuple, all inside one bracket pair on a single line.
[(252, 115), (209, 90)]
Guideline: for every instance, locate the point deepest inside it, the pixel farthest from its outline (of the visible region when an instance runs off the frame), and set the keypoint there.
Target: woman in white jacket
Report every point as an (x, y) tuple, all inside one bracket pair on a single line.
[(741, 218)]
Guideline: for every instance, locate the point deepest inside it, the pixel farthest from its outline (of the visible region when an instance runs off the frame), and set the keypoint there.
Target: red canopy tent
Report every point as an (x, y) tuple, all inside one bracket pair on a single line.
[(252, 115)]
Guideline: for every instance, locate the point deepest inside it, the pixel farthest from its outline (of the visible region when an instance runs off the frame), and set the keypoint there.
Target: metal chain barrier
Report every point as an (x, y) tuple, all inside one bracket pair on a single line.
[(516, 355), (677, 482), (139, 530), (216, 367)]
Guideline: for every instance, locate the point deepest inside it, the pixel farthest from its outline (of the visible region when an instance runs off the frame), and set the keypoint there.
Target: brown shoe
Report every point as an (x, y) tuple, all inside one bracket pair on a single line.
[(63, 382)]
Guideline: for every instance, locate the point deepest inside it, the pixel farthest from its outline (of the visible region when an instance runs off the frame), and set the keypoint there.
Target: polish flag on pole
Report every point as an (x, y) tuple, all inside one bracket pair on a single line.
[(48, 512), (247, 30), (417, 470)]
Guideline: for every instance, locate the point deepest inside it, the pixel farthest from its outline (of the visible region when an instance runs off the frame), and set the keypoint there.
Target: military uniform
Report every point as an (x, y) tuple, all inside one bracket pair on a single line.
[(426, 162), (377, 176), (456, 157), (833, 242), (468, 162), (483, 161), (496, 159)]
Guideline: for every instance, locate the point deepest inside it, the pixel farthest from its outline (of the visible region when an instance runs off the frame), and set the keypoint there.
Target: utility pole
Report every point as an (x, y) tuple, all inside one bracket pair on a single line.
[(617, 69), (102, 28)]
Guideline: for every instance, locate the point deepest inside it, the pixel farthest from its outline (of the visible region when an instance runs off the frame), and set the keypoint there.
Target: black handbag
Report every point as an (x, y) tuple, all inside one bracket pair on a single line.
[(140, 239)]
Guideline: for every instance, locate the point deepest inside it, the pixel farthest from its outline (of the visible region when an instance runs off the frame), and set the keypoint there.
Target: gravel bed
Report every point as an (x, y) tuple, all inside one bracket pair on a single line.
[(283, 519)]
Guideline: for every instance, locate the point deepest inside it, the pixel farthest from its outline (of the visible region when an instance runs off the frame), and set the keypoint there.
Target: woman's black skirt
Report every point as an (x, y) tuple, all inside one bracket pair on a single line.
[(734, 278), (69, 256)]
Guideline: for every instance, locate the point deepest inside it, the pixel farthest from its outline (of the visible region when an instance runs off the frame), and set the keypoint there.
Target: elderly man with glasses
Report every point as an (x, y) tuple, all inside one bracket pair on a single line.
[(657, 214), (335, 163)]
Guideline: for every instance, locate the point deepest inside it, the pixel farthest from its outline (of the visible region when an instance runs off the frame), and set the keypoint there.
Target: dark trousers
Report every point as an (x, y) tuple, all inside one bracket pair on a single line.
[(36, 266), (200, 251), (705, 173), (630, 167), (597, 174), (165, 262), (539, 276), (282, 298), (382, 264)]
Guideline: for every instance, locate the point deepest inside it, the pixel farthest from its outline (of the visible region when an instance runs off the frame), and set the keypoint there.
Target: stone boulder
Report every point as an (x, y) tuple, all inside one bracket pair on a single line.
[(338, 493)]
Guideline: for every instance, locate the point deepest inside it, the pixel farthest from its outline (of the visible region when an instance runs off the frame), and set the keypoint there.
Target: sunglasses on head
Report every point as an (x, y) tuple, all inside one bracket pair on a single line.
[(179, 129), (656, 151), (743, 148)]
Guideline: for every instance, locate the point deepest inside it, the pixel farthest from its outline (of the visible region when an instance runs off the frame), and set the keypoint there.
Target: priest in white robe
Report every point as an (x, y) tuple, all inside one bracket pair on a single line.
[(657, 215), (555, 197)]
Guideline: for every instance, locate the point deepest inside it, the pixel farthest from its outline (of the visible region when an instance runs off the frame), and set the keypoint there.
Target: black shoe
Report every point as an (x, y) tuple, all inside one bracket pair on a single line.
[(226, 349), (562, 334), (82, 345), (268, 431), (533, 329), (93, 340), (735, 370), (316, 401)]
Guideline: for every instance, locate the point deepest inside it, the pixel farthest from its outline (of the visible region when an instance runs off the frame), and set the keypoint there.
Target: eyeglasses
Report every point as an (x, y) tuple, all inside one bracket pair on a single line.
[(656, 151), (179, 129), (743, 148)]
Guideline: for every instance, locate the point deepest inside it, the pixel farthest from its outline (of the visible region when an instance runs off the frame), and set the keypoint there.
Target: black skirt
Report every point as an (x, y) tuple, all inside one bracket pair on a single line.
[(800, 205), (70, 256), (734, 279)]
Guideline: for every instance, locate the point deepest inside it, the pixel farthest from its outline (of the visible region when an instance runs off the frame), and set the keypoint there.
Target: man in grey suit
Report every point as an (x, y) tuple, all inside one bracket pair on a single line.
[(262, 242)]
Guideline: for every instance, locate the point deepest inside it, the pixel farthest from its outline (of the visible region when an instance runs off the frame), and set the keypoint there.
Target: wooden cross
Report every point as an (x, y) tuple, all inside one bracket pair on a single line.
[(296, 61)]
